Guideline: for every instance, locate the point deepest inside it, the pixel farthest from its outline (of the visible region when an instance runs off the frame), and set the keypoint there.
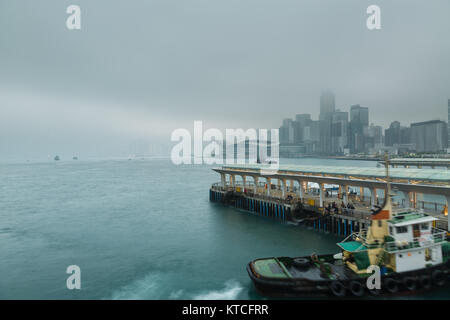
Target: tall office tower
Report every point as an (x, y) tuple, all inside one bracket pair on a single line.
[(327, 108), (448, 125), (359, 115), (327, 105), (429, 136), (392, 135), (301, 122), (287, 132), (339, 132), (359, 121)]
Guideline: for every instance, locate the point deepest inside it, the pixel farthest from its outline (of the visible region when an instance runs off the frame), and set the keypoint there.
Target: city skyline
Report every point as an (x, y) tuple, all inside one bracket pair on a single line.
[(340, 132)]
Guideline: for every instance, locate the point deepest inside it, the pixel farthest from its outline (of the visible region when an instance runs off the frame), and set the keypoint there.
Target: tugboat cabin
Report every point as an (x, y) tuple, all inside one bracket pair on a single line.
[(414, 243), (404, 241)]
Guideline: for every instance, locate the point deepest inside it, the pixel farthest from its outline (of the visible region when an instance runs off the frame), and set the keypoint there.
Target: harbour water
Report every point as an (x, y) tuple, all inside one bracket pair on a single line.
[(140, 229)]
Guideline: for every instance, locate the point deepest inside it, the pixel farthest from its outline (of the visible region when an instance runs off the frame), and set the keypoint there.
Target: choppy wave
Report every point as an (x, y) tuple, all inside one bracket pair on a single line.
[(149, 287), (230, 292), (155, 286)]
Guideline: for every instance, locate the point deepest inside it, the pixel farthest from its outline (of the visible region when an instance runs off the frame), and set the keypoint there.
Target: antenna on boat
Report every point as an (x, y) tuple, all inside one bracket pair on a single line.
[(388, 200), (388, 179)]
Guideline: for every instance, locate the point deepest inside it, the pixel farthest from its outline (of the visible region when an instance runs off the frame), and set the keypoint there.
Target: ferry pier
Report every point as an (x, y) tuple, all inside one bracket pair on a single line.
[(329, 198)]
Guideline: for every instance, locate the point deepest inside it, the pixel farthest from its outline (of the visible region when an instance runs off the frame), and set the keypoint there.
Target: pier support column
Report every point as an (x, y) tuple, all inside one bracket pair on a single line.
[(283, 188), (301, 189), (407, 196), (361, 193), (414, 199), (345, 194), (321, 186), (448, 203), (223, 180), (291, 186), (255, 188), (244, 181), (269, 186), (232, 180), (373, 197)]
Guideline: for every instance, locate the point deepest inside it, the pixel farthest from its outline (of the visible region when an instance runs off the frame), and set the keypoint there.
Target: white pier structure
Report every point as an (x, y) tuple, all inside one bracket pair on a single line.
[(293, 180)]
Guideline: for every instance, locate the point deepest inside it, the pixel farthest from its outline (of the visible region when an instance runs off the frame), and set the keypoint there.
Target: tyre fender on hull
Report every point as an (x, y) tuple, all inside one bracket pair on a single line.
[(391, 285), (425, 281), (337, 288), (438, 277), (356, 288), (410, 283)]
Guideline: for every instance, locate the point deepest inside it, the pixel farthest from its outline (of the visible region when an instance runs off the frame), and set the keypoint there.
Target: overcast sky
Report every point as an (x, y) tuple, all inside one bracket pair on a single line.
[(139, 69)]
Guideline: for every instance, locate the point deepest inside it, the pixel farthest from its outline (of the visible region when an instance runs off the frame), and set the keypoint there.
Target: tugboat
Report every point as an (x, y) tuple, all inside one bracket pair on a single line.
[(410, 253)]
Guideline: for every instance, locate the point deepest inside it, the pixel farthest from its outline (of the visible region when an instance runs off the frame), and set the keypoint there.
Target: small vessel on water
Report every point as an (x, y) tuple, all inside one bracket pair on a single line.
[(56, 158), (402, 244)]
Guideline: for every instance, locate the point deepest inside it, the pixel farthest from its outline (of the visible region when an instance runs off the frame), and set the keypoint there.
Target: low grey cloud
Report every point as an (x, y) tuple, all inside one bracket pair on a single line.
[(139, 69)]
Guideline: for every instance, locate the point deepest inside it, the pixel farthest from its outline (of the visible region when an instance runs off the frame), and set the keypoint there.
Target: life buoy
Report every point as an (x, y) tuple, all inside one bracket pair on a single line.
[(391, 285), (337, 288), (425, 281), (356, 288), (438, 277), (409, 283), (301, 262)]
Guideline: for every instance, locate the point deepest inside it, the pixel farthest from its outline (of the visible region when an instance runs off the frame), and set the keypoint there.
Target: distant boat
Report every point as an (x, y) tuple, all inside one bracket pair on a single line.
[(75, 158), (56, 158)]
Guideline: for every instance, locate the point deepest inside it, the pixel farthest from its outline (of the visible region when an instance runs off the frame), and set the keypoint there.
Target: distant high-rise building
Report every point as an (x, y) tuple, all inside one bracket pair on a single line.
[(359, 121), (392, 135), (359, 115), (327, 104), (339, 132), (287, 132), (301, 122), (327, 108), (429, 136), (448, 124)]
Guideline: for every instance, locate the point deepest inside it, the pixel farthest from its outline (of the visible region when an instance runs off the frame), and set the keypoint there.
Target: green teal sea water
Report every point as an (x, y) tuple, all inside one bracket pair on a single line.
[(140, 229)]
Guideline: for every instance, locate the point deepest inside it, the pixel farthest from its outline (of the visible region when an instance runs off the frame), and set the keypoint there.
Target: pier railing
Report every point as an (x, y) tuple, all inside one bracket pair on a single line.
[(361, 210)]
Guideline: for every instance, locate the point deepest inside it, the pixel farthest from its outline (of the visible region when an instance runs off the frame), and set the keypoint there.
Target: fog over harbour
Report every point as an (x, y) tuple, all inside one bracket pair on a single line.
[(138, 70)]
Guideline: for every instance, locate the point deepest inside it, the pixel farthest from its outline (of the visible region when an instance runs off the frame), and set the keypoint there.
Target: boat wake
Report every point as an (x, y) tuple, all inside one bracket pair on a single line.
[(230, 292), (155, 286), (148, 287)]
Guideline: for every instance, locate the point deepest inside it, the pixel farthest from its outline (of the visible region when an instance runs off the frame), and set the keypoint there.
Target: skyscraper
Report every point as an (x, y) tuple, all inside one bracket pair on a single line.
[(327, 104), (359, 115), (339, 133), (359, 120), (429, 136), (327, 108), (448, 124)]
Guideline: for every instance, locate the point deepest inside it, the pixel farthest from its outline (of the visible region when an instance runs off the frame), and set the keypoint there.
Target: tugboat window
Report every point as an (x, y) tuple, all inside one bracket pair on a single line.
[(424, 226), (402, 229)]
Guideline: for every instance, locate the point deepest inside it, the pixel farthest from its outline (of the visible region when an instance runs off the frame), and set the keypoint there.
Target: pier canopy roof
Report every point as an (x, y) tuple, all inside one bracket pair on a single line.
[(412, 175), (430, 162), (427, 181)]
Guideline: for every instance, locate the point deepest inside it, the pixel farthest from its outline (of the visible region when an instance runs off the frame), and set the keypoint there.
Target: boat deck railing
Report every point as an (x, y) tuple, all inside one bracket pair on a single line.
[(436, 236)]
